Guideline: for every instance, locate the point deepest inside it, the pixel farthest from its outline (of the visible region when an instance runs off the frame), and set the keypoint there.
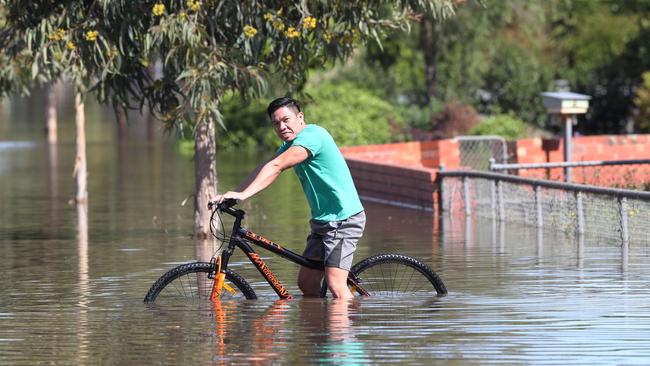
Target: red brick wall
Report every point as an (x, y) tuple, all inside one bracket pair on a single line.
[(405, 172), (428, 154), (590, 148), (394, 183), (402, 173)]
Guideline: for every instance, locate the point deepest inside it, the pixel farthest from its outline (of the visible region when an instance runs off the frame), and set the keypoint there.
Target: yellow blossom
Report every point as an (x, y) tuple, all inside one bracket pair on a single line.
[(309, 23), (278, 24), (250, 31), (57, 35), (356, 35), (194, 5), (182, 15), (158, 9), (286, 60), (328, 37), (268, 16), (70, 45), (291, 32), (91, 36), (144, 62)]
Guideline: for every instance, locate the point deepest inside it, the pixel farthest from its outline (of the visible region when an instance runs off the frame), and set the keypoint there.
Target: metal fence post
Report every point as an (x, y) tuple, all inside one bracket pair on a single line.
[(493, 199), (468, 204), (501, 203), (625, 235), (581, 215), (443, 205), (538, 206), (622, 206)]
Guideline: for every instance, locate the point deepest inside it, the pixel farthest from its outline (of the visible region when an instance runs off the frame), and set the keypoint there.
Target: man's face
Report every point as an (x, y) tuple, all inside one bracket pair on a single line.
[(287, 123)]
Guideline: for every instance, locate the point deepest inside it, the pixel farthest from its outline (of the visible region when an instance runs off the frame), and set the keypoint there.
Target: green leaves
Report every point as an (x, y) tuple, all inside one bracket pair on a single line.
[(505, 125), (642, 103), (200, 50), (363, 119)]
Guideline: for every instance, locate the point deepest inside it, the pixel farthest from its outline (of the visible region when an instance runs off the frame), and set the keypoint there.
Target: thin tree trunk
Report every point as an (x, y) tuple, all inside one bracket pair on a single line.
[(50, 114), (80, 170), (427, 40), (206, 186), (53, 183)]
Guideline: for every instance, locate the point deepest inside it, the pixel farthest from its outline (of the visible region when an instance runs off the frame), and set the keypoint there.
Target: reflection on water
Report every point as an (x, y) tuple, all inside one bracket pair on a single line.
[(83, 286), (73, 279)]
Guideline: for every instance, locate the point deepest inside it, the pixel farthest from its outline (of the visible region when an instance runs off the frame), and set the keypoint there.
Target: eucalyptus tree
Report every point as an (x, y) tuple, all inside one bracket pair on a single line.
[(14, 58), (200, 51), (35, 48)]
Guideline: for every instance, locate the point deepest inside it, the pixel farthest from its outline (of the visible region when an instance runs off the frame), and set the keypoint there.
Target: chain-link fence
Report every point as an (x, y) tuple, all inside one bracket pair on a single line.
[(604, 213), (476, 151)]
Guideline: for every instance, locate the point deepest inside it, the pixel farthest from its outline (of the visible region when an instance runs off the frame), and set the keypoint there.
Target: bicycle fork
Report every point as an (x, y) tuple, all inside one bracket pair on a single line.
[(219, 282)]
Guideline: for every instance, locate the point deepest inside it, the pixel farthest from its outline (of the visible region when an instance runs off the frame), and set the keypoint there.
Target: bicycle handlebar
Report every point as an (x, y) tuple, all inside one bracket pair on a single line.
[(227, 203)]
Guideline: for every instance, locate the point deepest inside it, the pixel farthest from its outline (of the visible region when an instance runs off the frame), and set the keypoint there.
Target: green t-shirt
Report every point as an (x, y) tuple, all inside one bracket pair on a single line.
[(324, 176)]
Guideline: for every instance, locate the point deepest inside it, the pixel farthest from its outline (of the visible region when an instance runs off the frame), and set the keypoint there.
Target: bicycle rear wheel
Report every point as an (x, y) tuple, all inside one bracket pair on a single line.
[(396, 275), (190, 283)]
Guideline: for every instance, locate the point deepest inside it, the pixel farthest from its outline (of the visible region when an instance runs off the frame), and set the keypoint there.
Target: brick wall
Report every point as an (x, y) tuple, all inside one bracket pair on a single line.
[(394, 183), (590, 148), (401, 173), (404, 173)]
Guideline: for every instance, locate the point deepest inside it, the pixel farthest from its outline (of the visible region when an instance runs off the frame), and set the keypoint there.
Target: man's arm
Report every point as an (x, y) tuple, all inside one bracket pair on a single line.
[(267, 173), (246, 182)]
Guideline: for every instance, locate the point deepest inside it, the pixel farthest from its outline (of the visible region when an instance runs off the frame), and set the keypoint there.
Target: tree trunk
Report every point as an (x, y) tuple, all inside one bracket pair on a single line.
[(53, 183), (80, 171), (206, 186), (427, 43), (50, 114), (120, 115)]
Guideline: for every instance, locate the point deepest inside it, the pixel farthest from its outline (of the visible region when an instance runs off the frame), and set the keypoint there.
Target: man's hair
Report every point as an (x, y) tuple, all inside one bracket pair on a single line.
[(282, 102)]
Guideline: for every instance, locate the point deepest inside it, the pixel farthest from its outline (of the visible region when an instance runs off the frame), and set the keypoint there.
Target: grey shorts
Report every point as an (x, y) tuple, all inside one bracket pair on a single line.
[(334, 242)]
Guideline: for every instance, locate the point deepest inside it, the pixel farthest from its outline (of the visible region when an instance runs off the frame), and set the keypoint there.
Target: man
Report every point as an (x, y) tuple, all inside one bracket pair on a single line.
[(338, 218)]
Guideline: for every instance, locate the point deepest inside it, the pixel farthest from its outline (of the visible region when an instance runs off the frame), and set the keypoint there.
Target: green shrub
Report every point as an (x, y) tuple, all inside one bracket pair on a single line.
[(246, 125), (505, 125), (421, 117), (642, 103), (352, 115)]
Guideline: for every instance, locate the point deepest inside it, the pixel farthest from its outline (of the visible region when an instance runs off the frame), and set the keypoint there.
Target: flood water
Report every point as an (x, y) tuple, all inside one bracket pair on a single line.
[(74, 296)]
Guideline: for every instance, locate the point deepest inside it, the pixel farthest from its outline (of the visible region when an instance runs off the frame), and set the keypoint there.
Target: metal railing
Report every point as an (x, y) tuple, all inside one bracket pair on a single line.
[(494, 166), (606, 213), (629, 173)]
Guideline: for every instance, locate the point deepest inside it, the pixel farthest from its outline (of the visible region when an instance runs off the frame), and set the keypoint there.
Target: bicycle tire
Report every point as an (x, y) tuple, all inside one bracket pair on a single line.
[(396, 275), (189, 282)]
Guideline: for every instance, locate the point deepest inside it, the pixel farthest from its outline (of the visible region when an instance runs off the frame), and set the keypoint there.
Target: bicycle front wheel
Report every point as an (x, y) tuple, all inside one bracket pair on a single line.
[(396, 275), (189, 282)]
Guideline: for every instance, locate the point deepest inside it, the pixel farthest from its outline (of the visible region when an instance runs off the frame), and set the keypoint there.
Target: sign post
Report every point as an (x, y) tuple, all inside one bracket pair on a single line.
[(567, 105)]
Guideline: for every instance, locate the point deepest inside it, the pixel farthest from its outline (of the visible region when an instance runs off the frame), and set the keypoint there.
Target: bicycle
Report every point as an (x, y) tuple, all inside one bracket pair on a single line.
[(377, 275)]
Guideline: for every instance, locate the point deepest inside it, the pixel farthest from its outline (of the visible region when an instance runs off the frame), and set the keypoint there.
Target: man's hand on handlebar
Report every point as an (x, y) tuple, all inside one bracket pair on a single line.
[(237, 196)]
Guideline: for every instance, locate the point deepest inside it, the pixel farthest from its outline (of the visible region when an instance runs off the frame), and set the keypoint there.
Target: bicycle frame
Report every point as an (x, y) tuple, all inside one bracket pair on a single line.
[(240, 237)]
